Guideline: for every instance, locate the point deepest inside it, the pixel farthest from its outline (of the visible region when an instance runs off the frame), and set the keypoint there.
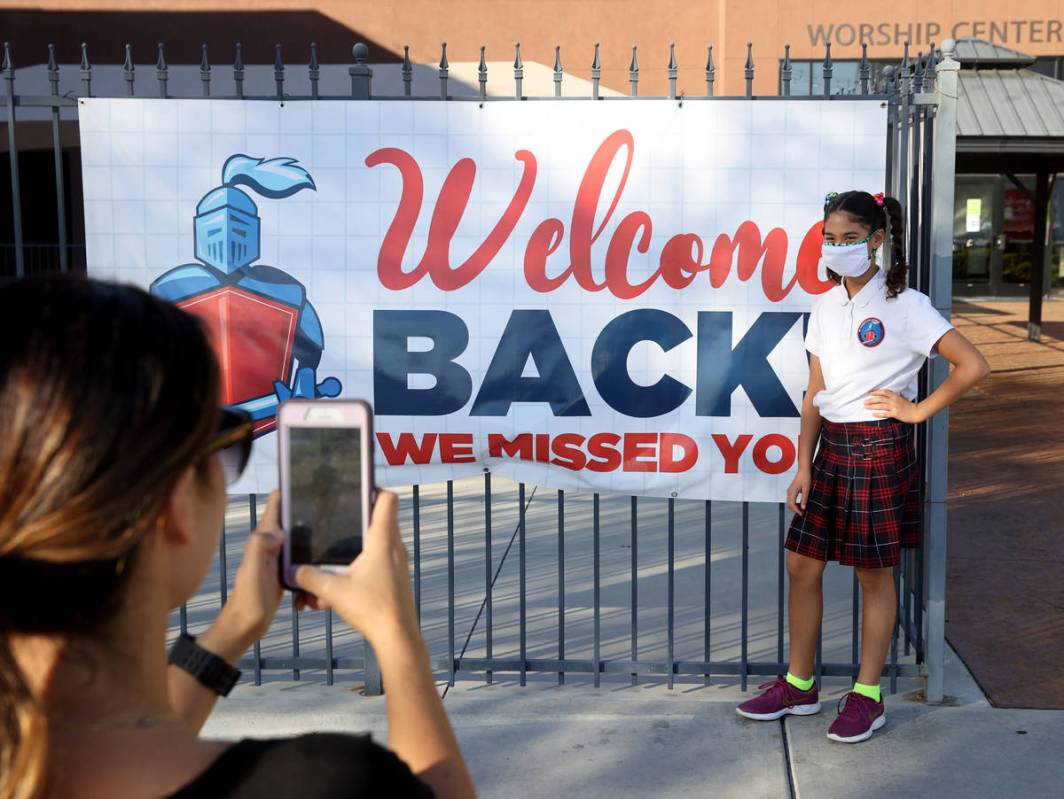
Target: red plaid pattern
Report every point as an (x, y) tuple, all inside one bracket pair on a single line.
[(864, 502)]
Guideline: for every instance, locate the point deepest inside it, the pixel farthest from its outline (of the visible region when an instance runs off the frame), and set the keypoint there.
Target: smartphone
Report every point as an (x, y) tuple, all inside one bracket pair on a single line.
[(325, 452)]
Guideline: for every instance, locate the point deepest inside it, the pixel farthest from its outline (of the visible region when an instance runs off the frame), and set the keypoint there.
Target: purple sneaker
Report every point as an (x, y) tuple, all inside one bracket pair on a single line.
[(858, 718), (779, 699)]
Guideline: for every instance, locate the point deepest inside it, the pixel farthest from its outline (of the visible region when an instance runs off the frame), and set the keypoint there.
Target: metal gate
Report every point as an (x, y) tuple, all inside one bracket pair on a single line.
[(447, 551)]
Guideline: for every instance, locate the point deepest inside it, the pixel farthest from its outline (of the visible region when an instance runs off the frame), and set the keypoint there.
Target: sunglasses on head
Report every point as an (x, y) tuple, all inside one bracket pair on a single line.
[(232, 442)]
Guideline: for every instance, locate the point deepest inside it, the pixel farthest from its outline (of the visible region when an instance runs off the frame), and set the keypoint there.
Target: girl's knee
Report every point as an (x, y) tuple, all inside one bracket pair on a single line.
[(881, 579), (804, 569)]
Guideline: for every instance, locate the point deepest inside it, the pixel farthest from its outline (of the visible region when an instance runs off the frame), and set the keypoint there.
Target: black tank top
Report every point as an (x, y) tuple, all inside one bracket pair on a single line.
[(318, 766)]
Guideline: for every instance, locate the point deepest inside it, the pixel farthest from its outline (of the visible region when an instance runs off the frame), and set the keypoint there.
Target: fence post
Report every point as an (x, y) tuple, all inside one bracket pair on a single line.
[(374, 685), (360, 73), (12, 151), (945, 155)]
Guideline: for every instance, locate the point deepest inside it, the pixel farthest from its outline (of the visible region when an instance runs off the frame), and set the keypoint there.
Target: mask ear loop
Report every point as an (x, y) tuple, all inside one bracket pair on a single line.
[(887, 261)]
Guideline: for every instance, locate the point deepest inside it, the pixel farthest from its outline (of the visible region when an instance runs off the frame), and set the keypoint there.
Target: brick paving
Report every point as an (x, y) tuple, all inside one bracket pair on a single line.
[(1005, 564)]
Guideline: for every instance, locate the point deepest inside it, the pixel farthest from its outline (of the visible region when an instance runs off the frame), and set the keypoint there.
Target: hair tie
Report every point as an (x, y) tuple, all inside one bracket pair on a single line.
[(831, 195), (878, 197)]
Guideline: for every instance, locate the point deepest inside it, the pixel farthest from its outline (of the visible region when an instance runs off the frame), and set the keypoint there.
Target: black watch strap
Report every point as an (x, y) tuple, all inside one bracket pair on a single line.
[(206, 667)]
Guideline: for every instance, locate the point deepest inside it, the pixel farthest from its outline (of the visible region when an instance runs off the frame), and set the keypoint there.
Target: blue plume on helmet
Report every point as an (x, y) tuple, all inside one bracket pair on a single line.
[(271, 177)]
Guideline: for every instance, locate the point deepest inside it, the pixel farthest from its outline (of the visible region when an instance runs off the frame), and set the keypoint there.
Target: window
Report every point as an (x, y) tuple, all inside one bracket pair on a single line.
[(807, 77)]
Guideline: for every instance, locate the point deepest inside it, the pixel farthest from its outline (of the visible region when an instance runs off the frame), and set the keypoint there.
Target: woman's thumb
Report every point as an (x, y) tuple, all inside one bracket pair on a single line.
[(318, 582)]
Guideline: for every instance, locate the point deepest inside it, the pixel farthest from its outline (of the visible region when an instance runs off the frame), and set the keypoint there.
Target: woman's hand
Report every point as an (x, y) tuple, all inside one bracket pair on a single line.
[(799, 487), (256, 593), (374, 595), (886, 404)]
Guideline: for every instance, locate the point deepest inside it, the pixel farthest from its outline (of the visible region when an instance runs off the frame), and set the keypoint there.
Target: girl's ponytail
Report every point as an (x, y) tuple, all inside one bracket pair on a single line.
[(898, 269), (23, 732)]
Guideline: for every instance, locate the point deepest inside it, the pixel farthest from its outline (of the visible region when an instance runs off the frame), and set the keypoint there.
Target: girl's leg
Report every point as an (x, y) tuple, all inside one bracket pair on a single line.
[(805, 605), (877, 621)]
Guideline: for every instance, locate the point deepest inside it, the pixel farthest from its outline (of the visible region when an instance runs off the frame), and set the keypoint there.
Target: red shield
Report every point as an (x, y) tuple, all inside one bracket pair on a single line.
[(252, 336)]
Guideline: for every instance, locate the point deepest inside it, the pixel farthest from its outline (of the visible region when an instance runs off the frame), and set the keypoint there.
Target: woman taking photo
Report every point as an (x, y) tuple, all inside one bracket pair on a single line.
[(115, 458)]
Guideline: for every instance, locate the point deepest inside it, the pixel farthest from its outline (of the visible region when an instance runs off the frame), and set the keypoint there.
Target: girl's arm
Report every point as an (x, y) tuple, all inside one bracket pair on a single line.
[(810, 432), (969, 367)]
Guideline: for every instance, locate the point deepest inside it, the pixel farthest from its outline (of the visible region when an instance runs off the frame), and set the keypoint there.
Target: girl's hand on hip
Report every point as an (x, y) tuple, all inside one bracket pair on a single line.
[(374, 595), (886, 404), (799, 487)]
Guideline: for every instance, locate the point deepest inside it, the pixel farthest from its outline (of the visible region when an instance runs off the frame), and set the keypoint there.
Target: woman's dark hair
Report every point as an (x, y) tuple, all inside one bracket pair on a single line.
[(107, 396), (864, 208)]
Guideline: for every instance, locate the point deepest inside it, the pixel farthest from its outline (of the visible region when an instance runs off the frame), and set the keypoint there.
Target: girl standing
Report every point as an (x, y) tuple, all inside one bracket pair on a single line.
[(856, 501)]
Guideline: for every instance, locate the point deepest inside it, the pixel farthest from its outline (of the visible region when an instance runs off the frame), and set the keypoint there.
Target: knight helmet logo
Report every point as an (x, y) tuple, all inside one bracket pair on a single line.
[(265, 332)]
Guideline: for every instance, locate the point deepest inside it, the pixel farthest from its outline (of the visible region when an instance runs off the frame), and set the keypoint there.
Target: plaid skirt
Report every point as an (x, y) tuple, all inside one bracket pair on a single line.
[(864, 501)]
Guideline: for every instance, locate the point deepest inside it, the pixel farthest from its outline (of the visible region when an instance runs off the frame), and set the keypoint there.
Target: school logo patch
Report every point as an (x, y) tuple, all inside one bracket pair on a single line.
[(871, 332)]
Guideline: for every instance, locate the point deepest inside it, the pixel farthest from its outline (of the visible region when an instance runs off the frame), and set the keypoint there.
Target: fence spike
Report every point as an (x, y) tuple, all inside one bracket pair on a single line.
[(314, 69), (711, 72), (482, 74), (238, 71), (596, 73), (633, 74), (673, 70), (864, 68), (827, 70), (278, 70), (86, 72), (929, 72), (519, 70), (408, 70), (53, 70), (444, 69), (128, 68), (9, 64), (557, 70), (786, 71), (904, 84), (749, 70), (161, 69), (205, 71)]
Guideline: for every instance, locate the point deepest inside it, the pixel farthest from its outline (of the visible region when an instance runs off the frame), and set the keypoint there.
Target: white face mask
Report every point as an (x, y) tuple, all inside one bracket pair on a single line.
[(850, 259)]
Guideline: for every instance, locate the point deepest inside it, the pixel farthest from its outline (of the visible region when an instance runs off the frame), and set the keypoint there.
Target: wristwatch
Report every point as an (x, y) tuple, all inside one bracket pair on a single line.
[(209, 669)]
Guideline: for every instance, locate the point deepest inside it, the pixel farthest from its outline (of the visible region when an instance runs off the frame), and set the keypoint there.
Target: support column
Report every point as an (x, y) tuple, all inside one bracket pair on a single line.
[(944, 176), (1038, 264)]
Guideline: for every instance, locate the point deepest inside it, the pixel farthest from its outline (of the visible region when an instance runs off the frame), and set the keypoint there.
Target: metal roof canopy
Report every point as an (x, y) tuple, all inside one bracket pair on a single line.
[(974, 53), (1005, 110), (1009, 111)]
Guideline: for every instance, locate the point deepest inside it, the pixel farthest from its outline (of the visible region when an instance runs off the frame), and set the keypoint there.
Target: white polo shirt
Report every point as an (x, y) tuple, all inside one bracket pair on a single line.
[(870, 342)]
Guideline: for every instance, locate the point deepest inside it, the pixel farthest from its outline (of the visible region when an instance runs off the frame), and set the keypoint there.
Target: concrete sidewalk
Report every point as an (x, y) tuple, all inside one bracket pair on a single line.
[(634, 741)]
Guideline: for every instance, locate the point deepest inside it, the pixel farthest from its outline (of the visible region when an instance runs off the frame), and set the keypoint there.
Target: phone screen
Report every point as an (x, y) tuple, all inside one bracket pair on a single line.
[(325, 497)]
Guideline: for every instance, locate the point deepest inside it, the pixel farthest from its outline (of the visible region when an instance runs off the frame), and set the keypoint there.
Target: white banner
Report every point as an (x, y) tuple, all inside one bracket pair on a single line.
[(604, 296)]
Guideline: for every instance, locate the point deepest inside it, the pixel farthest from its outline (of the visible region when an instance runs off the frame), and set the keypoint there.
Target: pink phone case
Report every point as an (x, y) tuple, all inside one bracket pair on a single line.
[(369, 489)]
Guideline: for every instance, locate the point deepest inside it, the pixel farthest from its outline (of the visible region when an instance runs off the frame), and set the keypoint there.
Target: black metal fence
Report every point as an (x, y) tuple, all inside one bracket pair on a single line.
[(907, 90)]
